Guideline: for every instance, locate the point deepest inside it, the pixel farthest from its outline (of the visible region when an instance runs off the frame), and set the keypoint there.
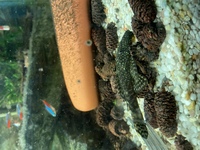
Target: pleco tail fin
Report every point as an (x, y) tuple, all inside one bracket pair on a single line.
[(154, 142)]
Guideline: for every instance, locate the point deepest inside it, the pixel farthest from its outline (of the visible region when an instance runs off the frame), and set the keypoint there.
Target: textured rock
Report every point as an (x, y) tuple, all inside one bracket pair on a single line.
[(150, 35), (182, 144), (165, 106), (111, 37), (97, 10), (144, 10)]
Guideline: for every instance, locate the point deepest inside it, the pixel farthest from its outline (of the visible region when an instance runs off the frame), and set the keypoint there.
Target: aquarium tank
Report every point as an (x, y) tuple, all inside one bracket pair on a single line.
[(99, 74)]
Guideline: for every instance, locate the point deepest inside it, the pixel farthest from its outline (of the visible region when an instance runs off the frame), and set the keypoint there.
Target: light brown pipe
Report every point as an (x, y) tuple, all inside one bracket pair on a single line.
[(72, 26)]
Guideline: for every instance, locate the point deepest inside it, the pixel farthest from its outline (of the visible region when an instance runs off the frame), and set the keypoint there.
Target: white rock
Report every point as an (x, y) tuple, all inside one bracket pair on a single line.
[(197, 23), (191, 77), (186, 112), (185, 102), (194, 129), (184, 84), (183, 117), (195, 50), (191, 51), (194, 66), (185, 126), (194, 141), (193, 96), (180, 108), (186, 18), (177, 89)]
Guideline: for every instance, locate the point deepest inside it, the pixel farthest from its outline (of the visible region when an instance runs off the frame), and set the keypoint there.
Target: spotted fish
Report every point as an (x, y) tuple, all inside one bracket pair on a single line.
[(129, 81), (139, 81)]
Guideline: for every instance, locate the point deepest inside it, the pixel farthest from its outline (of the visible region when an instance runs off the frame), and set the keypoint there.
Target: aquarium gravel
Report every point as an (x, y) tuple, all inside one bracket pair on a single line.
[(179, 58)]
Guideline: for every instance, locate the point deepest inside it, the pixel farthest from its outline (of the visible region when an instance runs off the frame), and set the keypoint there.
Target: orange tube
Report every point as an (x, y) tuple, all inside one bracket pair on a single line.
[(72, 26)]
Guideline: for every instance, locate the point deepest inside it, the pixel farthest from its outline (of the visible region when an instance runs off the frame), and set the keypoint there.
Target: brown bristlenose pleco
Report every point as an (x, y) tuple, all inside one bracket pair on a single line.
[(116, 141), (122, 143), (140, 53), (144, 10), (149, 110), (97, 11), (151, 35), (118, 127), (107, 57), (103, 113), (129, 145), (106, 71), (150, 73), (117, 112), (105, 90), (114, 85), (182, 144), (165, 106), (111, 37), (99, 39), (98, 58)]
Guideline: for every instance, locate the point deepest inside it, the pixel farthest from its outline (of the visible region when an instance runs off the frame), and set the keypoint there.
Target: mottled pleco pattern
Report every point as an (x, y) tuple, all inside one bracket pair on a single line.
[(139, 81), (123, 66), (130, 81)]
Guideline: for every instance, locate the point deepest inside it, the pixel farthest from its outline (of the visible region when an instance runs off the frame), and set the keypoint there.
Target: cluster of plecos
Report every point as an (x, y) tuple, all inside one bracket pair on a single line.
[(108, 116), (159, 107)]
